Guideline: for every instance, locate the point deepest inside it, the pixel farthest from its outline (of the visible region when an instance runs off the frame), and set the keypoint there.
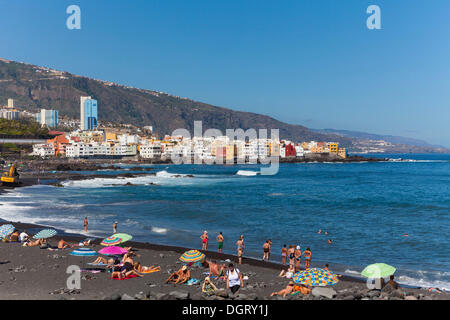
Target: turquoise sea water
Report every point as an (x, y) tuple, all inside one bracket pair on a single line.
[(365, 207)]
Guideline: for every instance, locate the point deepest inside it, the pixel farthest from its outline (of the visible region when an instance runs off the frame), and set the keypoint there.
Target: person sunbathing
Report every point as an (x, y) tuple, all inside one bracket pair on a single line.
[(64, 245), (287, 273), (14, 237), (181, 276), (101, 260), (215, 269), (288, 290), (125, 271), (142, 269), (31, 243), (303, 289), (208, 287)]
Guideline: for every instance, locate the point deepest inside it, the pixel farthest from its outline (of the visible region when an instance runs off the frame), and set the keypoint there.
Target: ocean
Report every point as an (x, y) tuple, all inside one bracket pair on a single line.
[(365, 207)]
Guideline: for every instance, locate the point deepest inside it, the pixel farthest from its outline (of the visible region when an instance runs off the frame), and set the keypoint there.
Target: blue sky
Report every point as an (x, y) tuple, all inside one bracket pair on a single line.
[(304, 62)]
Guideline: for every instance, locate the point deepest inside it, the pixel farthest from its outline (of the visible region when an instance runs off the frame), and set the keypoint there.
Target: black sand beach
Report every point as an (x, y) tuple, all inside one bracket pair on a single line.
[(34, 273)]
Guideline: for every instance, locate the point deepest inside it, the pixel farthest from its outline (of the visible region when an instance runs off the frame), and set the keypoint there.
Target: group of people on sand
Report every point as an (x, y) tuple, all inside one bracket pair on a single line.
[(125, 267), (231, 275)]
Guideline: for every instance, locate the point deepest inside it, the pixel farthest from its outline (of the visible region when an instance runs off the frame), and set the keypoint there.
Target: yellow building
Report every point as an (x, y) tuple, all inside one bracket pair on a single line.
[(110, 136), (333, 147), (342, 152)]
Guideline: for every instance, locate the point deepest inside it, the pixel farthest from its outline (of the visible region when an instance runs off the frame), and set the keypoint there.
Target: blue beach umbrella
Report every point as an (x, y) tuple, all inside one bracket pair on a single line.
[(83, 252), (44, 234), (6, 230)]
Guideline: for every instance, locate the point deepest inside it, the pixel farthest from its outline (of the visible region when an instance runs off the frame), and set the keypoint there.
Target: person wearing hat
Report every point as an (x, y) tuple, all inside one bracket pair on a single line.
[(179, 277), (208, 287), (288, 290), (204, 238), (115, 227)]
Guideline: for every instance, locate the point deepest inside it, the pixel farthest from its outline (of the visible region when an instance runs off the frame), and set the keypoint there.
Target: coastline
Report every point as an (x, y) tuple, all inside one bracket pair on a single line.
[(22, 266), (268, 270)]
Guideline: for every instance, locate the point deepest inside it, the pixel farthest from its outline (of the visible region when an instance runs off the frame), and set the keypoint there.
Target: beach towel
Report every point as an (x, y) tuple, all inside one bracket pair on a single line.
[(192, 282), (126, 278), (98, 264), (91, 271)]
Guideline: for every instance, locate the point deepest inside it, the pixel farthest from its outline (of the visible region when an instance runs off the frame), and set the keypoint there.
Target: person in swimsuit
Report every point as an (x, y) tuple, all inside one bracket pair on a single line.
[(115, 227), (291, 256), (240, 248), (298, 258), (64, 245), (181, 276), (219, 242), (307, 255), (140, 268), (284, 253), (288, 290), (266, 249), (204, 238), (85, 224)]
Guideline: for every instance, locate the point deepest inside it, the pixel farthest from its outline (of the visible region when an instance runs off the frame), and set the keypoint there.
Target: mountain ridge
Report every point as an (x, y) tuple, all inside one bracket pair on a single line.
[(35, 87)]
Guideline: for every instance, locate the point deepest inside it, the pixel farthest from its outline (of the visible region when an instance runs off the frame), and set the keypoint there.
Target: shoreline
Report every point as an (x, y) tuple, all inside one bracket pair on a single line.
[(55, 179), (263, 277)]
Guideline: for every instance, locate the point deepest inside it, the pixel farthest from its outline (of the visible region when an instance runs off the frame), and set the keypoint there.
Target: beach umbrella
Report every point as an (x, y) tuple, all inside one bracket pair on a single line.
[(124, 236), (315, 277), (44, 234), (192, 256), (113, 251), (6, 230), (83, 252), (111, 241), (378, 270)]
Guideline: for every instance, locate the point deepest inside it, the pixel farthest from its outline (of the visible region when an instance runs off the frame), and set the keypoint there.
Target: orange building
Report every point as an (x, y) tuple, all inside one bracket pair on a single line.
[(59, 144)]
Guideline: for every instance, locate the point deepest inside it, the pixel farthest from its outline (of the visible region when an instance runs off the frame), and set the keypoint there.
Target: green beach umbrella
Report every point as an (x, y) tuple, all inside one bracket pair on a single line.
[(124, 236), (378, 270), (44, 234)]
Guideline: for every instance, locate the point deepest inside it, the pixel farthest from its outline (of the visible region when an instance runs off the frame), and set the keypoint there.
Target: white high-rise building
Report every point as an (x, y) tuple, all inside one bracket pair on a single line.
[(10, 103)]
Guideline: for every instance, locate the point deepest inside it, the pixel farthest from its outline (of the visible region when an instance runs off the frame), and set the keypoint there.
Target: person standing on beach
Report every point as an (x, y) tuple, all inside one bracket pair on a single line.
[(291, 255), (85, 224), (240, 248), (204, 238), (307, 254), (266, 249), (298, 258), (284, 253), (219, 242), (115, 227), (270, 249)]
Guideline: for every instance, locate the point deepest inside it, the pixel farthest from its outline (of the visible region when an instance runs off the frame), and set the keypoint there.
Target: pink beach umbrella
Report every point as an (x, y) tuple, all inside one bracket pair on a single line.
[(113, 251)]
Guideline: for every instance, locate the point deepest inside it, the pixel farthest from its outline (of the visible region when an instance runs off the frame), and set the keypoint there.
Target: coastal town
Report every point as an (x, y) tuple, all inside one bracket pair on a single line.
[(92, 140)]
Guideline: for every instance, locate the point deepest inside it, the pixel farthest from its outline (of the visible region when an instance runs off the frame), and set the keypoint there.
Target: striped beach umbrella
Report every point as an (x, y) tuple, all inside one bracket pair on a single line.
[(315, 277), (192, 256), (83, 252), (378, 270), (113, 251), (124, 236), (44, 234), (6, 230), (111, 241)]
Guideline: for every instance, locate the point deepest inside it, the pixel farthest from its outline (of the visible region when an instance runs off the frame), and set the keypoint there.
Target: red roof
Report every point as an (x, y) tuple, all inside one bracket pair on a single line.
[(55, 133)]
